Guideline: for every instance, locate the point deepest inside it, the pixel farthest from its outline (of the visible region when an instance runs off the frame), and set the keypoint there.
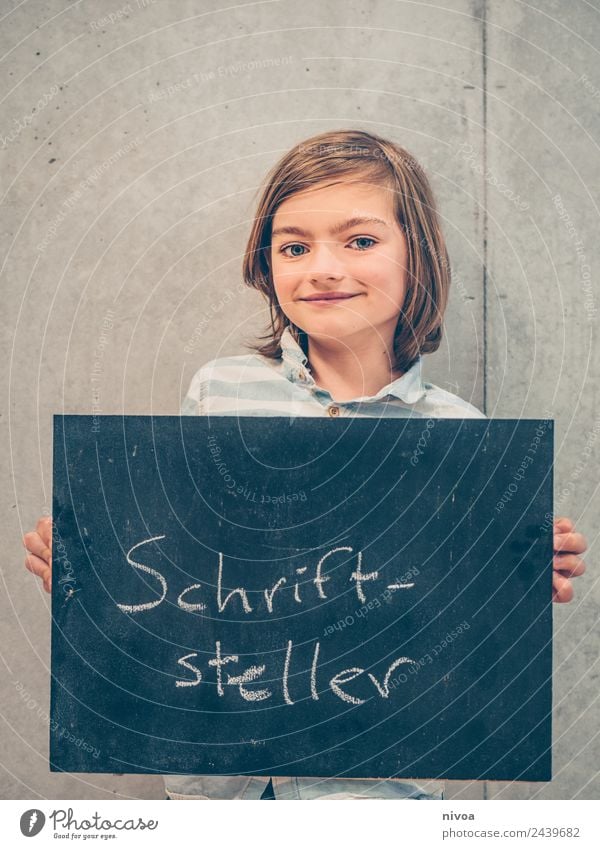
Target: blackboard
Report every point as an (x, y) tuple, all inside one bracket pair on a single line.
[(271, 596)]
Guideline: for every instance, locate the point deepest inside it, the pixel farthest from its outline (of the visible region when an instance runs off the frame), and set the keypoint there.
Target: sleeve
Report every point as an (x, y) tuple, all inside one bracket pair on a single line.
[(193, 403)]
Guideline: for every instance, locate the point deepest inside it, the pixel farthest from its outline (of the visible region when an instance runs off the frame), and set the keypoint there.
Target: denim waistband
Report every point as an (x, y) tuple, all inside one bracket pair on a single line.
[(251, 787)]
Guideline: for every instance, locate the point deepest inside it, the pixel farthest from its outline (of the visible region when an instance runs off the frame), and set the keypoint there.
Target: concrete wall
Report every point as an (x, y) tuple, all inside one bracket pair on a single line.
[(133, 140)]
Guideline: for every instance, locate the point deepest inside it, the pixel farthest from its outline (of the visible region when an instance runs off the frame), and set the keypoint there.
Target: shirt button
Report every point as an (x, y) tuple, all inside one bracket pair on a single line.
[(333, 411)]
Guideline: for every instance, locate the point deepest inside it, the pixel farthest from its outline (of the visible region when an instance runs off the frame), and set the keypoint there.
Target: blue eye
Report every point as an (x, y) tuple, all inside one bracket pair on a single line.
[(293, 245), (363, 239), (297, 250)]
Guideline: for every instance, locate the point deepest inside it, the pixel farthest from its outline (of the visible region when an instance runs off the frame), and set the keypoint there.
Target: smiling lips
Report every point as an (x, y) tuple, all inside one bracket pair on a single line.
[(330, 296)]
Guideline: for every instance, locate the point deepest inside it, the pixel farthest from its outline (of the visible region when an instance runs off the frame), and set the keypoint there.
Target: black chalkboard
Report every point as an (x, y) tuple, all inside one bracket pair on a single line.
[(310, 597)]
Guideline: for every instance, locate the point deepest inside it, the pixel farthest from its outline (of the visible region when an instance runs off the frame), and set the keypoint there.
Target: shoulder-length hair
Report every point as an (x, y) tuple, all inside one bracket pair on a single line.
[(359, 155)]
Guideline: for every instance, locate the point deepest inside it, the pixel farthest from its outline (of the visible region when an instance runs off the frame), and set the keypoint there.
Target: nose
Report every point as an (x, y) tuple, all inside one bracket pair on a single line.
[(325, 264)]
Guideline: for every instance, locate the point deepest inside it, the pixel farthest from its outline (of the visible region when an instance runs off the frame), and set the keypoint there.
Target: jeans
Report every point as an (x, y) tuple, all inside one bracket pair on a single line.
[(214, 787)]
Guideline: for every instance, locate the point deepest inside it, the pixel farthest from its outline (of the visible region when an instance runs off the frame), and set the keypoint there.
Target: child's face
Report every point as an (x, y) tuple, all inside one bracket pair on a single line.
[(326, 252)]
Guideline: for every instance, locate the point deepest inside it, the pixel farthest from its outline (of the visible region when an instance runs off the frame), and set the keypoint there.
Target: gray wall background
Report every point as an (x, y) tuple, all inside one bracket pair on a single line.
[(133, 139)]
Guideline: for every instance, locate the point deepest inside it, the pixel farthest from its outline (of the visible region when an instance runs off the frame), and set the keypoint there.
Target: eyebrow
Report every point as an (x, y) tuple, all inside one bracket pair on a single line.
[(337, 228)]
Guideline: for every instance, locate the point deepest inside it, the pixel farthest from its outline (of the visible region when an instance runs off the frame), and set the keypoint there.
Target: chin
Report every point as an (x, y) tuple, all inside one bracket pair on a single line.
[(332, 331)]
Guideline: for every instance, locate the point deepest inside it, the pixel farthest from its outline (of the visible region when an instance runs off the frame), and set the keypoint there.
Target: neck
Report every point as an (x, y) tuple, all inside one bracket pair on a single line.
[(348, 373)]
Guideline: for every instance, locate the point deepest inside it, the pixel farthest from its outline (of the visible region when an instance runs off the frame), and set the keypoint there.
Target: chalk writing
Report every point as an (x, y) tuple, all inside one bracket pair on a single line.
[(266, 598), (254, 672), (239, 597)]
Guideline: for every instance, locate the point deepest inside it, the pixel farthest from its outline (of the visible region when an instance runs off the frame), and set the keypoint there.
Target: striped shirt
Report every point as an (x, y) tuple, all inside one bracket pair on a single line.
[(254, 385)]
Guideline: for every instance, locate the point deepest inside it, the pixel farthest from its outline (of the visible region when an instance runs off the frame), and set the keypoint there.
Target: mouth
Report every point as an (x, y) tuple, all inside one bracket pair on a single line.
[(328, 297)]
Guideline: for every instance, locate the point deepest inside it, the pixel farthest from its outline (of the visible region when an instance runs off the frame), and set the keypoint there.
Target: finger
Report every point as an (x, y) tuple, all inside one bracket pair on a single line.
[(562, 589), (36, 545), (563, 525), (569, 564), (570, 542), (38, 566), (44, 529)]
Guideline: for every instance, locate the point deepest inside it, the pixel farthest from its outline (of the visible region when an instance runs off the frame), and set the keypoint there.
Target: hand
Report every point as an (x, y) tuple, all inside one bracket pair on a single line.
[(39, 545), (568, 545)]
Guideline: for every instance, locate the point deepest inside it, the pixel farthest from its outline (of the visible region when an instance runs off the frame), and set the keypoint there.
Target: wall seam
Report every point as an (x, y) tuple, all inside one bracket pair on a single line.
[(485, 226), (485, 199)]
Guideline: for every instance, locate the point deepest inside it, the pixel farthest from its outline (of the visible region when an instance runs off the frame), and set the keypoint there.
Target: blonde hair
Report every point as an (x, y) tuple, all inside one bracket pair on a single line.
[(343, 154)]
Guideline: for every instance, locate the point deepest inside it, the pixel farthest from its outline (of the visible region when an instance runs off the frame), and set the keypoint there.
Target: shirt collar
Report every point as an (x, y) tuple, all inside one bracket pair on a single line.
[(409, 388)]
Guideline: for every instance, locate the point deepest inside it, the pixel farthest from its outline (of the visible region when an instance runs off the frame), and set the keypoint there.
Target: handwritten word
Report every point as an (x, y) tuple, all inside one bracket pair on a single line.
[(253, 673), (189, 600)]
